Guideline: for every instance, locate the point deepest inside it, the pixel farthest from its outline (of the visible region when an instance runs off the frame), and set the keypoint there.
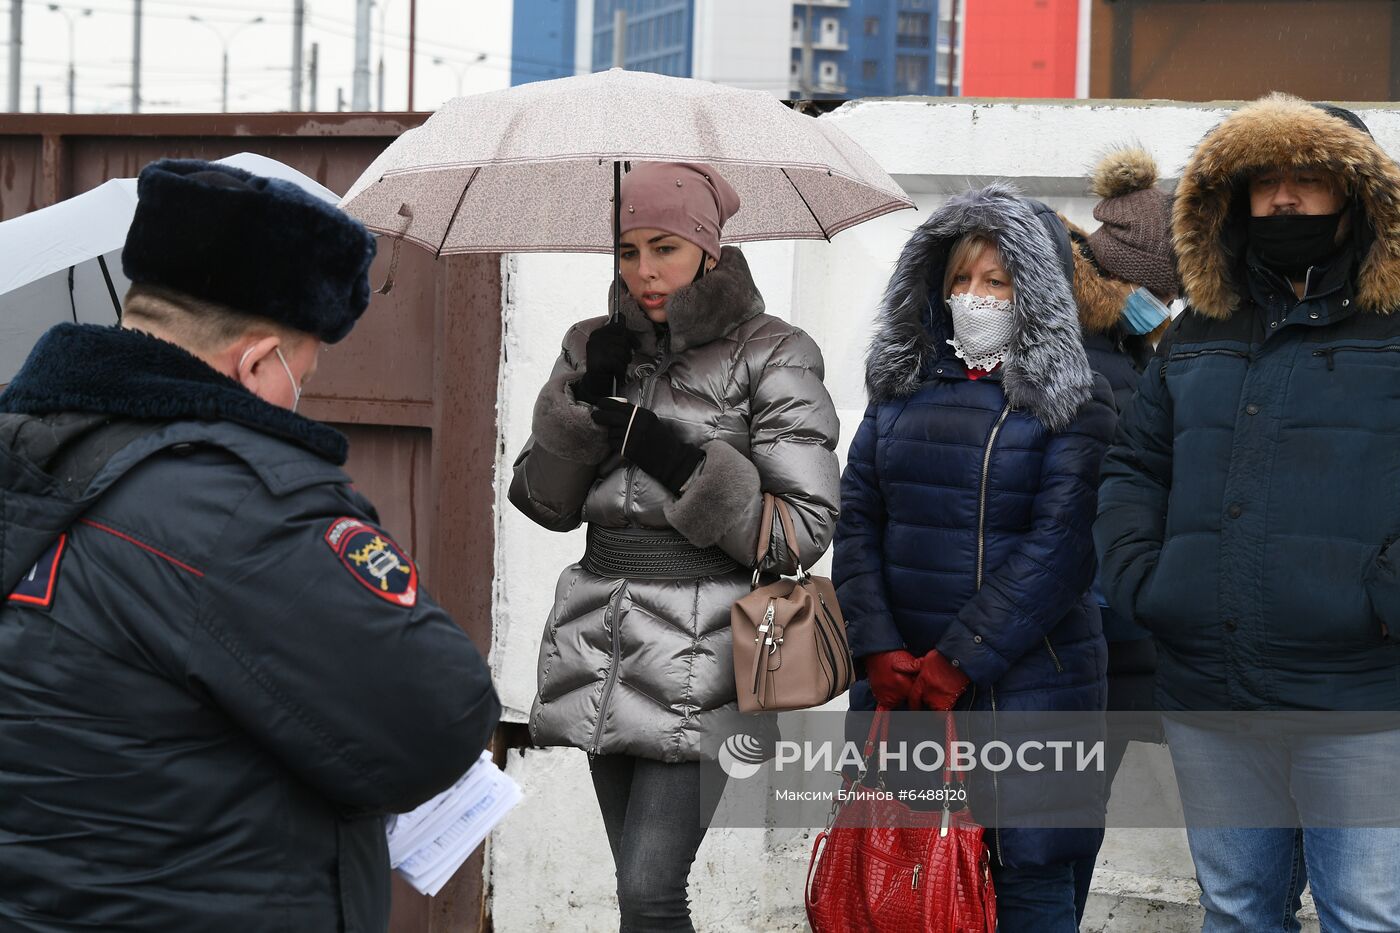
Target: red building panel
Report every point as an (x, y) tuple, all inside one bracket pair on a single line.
[(1020, 48)]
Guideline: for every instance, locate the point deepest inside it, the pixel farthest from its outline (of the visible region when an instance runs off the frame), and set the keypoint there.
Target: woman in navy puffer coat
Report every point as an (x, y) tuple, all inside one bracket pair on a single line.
[(964, 552)]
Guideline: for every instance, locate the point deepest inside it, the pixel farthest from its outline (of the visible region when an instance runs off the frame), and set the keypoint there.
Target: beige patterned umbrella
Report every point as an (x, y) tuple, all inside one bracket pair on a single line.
[(534, 167)]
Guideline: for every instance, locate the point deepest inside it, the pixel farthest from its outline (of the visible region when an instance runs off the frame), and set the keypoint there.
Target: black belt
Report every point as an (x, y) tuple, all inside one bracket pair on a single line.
[(639, 553)]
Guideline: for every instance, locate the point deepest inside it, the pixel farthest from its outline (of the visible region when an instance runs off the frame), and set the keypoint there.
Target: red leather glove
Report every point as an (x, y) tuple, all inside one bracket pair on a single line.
[(938, 685), (891, 675)]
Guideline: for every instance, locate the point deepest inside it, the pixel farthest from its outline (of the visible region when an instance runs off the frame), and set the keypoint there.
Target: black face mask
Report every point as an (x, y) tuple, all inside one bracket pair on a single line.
[(1290, 243)]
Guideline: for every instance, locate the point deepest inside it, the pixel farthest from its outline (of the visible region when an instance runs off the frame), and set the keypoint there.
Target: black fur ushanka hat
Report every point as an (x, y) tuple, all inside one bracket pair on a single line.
[(258, 245)]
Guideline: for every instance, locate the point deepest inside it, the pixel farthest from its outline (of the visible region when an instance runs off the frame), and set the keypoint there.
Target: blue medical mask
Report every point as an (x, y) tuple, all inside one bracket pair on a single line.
[(1143, 313)]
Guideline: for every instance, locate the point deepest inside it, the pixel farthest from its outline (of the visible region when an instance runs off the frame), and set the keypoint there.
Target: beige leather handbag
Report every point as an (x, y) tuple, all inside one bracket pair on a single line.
[(790, 649)]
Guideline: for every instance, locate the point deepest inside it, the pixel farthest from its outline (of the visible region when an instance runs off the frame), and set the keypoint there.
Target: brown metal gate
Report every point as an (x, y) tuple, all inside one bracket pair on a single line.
[(414, 387)]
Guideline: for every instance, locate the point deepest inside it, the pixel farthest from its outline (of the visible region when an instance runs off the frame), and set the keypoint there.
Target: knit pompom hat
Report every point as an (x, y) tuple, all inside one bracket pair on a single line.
[(1133, 241)]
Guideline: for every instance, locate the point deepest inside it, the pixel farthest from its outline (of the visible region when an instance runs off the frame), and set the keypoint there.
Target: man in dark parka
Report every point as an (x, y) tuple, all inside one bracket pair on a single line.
[(217, 673), (1250, 509)]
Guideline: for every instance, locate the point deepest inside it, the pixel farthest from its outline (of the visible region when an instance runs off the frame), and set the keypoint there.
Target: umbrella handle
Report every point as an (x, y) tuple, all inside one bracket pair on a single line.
[(406, 213)]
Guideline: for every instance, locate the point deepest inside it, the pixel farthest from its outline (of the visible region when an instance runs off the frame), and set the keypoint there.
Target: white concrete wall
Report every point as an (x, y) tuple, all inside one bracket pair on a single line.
[(550, 865), (743, 43)]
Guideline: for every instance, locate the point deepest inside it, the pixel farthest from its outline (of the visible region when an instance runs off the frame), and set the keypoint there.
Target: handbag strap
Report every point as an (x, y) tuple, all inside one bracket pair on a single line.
[(880, 734), (790, 535), (772, 503), (950, 736), (765, 528)]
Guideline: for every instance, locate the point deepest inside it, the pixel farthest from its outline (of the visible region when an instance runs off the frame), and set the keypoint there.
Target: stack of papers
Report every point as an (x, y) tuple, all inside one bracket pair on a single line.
[(429, 844)]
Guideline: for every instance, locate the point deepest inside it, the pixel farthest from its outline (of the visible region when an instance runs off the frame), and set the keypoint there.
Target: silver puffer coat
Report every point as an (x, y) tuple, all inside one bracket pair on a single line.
[(645, 667)]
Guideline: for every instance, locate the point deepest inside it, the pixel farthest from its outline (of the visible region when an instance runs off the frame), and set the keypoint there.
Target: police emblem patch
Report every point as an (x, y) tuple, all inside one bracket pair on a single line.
[(36, 587), (375, 560)]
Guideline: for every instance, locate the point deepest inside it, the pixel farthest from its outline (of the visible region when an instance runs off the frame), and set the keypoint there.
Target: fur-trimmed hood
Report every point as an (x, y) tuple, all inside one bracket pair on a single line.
[(116, 371), (702, 311), (1100, 297), (1046, 370), (1209, 218)]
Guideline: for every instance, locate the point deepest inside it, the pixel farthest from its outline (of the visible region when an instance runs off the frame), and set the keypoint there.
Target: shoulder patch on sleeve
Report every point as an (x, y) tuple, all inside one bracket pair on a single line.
[(36, 587), (375, 560)]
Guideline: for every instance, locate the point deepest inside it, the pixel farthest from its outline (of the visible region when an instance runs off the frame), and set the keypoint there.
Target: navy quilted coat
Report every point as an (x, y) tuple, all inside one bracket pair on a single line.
[(1250, 509), (951, 483)]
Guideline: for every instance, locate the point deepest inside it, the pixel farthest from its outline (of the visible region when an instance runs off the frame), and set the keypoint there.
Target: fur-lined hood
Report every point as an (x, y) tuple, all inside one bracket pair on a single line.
[(705, 310), (1100, 297), (1046, 370), (1209, 216)]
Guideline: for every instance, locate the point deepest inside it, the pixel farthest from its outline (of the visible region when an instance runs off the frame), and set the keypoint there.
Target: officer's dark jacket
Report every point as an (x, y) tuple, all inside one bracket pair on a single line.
[(1251, 501), (207, 704)]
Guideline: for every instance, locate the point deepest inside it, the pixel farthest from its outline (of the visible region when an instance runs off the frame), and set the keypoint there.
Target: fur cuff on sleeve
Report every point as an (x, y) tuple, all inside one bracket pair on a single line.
[(564, 426), (721, 494)]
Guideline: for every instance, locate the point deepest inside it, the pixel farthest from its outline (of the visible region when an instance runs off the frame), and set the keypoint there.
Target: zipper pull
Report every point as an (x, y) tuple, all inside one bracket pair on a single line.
[(947, 818), (918, 870)]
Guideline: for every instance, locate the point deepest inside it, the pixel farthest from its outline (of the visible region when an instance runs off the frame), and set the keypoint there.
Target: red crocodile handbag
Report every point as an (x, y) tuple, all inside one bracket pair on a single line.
[(882, 867)]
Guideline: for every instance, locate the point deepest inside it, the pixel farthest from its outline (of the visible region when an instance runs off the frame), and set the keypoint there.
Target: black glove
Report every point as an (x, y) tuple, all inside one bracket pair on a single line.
[(606, 355), (649, 442)]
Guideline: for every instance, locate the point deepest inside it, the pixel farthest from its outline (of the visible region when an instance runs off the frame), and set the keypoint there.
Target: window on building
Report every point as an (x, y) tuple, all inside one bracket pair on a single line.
[(827, 73), (911, 74), (831, 32), (913, 30), (869, 70), (872, 25)]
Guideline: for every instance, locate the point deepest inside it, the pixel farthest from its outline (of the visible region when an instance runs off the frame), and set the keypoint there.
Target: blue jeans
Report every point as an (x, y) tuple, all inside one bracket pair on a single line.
[(1316, 796), (1039, 899), (656, 815)]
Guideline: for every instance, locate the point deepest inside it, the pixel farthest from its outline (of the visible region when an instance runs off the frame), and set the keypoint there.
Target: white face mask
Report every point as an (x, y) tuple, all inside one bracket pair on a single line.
[(296, 389), (982, 329)]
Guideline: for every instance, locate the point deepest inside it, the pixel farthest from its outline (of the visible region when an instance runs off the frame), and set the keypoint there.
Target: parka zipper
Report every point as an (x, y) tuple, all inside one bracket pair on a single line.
[(996, 790), (982, 490), (1329, 352), (610, 617), (1207, 351), (981, 554)]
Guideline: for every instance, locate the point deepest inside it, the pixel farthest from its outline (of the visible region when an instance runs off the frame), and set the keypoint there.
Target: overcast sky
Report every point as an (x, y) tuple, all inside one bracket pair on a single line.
[(181, 59)]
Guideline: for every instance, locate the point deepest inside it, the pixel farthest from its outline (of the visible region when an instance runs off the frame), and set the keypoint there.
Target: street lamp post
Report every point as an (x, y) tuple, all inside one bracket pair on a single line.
[(224, 41), (72, 71), (462, 70)]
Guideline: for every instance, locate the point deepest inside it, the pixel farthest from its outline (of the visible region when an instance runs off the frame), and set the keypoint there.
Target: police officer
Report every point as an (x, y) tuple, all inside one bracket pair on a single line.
[(217, 672)]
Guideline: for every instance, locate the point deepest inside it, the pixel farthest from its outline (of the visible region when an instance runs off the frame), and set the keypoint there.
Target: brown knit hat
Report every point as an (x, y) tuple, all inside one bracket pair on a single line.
[(690, 200), (1134, 239)]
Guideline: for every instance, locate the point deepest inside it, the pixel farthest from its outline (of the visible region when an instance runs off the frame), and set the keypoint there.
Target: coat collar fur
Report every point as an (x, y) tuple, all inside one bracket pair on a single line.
[(705, 310), (1046, 370), (1209, 216), (115, 371), (1100, 297)]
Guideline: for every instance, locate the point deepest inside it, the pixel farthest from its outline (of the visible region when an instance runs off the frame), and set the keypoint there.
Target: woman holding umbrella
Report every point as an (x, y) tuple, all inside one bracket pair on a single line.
[(662, 429), (963, 554)]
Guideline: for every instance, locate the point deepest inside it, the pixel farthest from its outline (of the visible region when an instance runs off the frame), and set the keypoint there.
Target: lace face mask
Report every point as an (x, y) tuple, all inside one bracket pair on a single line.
[(982, 329)]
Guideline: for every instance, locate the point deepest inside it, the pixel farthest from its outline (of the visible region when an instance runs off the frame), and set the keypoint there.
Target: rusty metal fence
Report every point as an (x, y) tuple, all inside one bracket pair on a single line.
[(414, 387)]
